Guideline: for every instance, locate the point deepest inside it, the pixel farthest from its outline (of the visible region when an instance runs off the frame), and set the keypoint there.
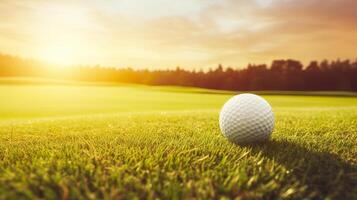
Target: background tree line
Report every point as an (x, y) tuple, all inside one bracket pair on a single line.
[(280, 75)]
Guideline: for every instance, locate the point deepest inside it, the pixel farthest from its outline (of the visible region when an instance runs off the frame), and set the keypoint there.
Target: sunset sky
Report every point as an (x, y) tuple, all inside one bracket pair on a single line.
[(186, 33)]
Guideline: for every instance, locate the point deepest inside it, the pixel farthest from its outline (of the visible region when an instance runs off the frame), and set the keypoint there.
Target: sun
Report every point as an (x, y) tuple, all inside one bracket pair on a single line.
[(58, 54)]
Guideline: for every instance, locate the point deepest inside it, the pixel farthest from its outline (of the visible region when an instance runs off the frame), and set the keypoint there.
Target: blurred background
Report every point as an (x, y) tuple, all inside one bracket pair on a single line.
[(230, 45)]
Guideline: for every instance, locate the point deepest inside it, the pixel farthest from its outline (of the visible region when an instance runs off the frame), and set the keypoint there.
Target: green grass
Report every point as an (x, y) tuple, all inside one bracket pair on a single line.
[(126, 141)]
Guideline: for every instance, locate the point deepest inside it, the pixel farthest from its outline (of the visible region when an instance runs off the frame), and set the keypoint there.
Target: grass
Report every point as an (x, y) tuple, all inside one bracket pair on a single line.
[(127, 141)]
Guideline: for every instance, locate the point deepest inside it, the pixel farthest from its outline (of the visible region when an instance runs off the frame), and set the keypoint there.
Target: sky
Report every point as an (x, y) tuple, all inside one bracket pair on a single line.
[(193, 34)]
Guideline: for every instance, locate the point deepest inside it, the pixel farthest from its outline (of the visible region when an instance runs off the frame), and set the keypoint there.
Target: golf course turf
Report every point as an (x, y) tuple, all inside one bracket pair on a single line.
[(146, 142)]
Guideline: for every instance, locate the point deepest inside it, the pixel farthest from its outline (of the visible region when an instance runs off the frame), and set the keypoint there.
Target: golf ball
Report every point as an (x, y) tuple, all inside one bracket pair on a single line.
[(246, 118)]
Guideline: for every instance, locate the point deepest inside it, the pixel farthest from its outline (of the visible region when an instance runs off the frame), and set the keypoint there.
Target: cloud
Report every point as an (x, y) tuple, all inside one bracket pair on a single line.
[(193, 33)]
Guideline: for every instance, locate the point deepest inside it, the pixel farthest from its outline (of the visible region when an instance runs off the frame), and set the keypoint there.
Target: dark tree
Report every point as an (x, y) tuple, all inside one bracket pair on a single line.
[(281, 75)]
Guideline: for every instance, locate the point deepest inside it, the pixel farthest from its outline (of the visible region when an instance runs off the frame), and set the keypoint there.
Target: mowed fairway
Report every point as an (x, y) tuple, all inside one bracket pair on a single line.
[(127, 141)]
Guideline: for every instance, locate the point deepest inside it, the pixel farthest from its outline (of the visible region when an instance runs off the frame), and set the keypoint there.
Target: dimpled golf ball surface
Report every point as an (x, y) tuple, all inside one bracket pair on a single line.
[(246, 118)]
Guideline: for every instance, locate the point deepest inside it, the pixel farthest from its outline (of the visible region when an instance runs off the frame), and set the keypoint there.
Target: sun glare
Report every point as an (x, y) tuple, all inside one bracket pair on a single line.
[(59, 55)]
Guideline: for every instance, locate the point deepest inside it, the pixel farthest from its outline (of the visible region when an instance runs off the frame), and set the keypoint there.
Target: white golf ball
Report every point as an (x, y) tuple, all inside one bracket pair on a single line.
[(246, 118)]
